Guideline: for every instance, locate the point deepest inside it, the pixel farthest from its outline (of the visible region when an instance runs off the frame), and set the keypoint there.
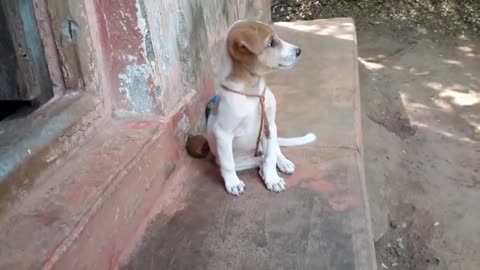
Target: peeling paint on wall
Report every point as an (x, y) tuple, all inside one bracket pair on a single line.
[(183, 126), (134, 87), (158, 91), (182, 29), (160, 49), (194, 59), (145, 30)]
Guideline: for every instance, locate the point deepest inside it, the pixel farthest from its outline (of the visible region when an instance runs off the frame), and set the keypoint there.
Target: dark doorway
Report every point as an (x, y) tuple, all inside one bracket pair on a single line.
[(24, 79)]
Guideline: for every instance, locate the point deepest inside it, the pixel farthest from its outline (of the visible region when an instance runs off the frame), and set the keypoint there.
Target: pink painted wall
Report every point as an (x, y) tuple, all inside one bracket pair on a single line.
[(159, 52)]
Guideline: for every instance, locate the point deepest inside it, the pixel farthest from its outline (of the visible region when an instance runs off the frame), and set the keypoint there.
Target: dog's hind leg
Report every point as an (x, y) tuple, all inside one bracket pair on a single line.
[(283, 163)]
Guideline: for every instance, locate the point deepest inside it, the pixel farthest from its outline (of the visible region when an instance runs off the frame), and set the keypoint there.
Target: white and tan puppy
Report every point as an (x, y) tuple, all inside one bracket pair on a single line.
[(253, 49)]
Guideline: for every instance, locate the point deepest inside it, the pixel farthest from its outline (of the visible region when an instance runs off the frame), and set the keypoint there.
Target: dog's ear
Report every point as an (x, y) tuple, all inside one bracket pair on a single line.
[(251, 42), (244, 42)]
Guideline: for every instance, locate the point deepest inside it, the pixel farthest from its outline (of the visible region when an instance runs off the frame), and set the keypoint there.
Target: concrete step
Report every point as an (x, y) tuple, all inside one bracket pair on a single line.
[(91, 210), (75, 200), (322, 220), (86, 210)]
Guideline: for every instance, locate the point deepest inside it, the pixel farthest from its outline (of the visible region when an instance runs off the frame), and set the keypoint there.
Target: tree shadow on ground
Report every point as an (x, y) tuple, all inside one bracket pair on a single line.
[(426, 94)]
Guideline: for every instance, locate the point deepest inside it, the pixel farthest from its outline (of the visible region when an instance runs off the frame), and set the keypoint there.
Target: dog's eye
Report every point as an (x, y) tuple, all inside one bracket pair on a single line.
[(271, 43)]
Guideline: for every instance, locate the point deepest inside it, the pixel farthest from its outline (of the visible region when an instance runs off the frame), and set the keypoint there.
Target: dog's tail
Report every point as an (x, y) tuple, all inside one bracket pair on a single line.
[(197, 146), (297, 141)]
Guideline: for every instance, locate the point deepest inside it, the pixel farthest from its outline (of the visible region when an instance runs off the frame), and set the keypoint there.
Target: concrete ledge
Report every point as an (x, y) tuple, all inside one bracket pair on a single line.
[(30, 145), (322, 221), (91, 211), (96, 201)]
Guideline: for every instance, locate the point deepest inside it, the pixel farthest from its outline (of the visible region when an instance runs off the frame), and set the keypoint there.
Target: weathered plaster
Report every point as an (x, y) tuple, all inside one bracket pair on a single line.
[(186, 37), (134, 86), (126, 49), (153, 52)]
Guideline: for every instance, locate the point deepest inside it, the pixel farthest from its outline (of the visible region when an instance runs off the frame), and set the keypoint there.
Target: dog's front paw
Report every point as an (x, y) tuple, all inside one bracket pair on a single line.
[(273, 182), (234, 186), (285, 165)]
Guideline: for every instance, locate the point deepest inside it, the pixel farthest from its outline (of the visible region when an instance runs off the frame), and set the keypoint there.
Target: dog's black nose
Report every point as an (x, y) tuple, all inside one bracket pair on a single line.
[(298, 51)]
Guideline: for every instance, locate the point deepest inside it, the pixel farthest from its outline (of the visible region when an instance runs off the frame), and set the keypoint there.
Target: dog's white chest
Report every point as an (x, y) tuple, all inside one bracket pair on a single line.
[(246, 135), (248, 110)]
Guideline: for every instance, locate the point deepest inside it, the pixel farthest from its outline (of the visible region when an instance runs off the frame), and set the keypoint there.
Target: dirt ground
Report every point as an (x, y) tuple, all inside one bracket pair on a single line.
[(420, 85)]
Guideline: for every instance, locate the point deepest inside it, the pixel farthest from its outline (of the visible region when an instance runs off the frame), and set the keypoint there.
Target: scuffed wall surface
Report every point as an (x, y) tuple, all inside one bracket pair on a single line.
[(123, 31), (259, 10), (159, 51)]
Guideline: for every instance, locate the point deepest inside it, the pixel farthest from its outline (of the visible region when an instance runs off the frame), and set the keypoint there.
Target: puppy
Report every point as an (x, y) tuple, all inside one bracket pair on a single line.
[(242, 122)]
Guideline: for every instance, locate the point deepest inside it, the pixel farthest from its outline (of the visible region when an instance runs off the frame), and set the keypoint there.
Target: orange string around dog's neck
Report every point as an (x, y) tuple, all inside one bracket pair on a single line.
[(264, 126)]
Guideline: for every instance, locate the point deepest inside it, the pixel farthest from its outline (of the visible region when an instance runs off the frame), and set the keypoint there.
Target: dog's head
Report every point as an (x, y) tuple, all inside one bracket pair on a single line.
[(258, 47)]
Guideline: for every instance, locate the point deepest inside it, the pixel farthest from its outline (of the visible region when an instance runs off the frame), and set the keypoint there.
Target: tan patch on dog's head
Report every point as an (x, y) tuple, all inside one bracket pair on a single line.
[(247, 40), (255, 46)]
